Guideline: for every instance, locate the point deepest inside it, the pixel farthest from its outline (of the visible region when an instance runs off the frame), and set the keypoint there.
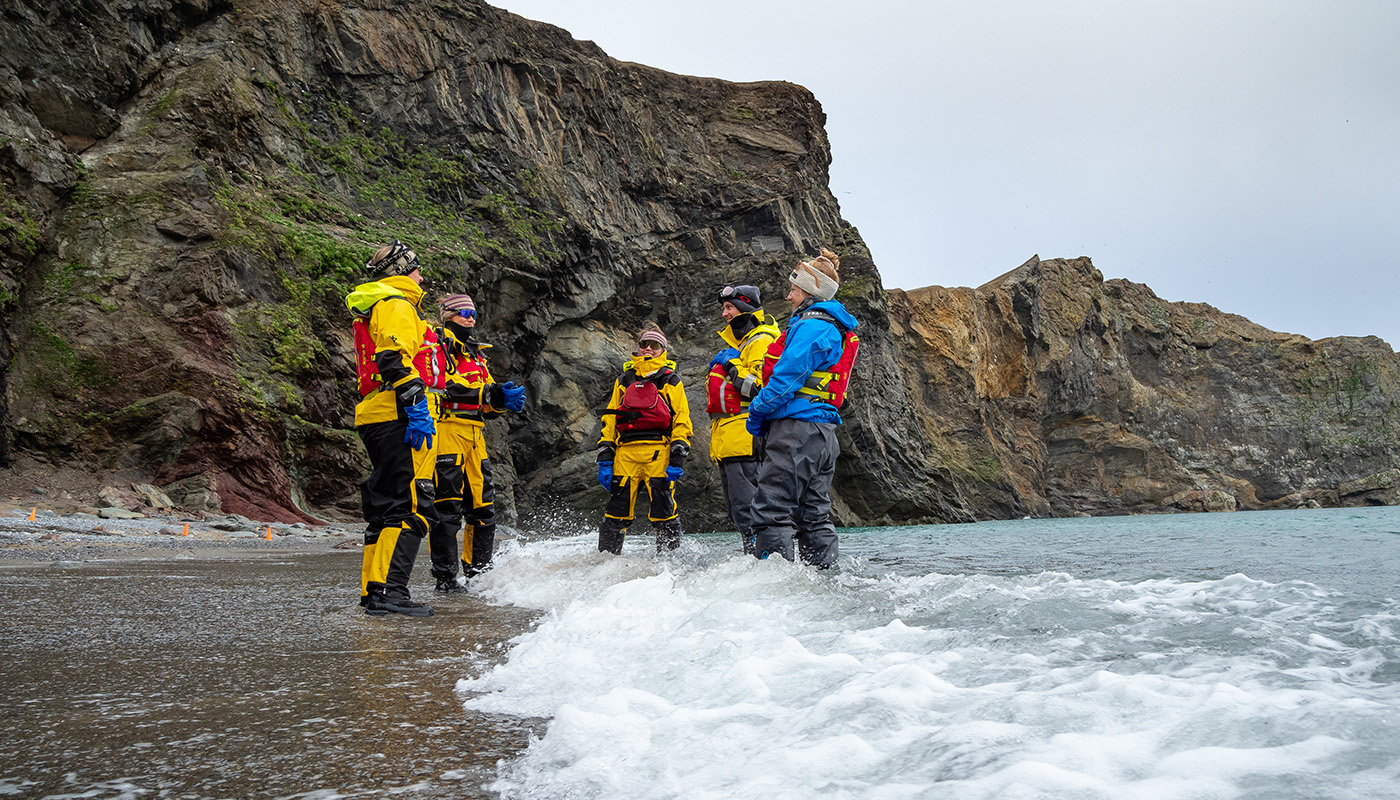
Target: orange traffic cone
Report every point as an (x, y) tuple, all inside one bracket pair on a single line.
[(269, 533), (32, 513), (187, 529)]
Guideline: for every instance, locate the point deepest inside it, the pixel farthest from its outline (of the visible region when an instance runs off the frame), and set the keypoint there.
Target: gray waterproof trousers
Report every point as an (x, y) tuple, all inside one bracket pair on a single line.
[(740, 481), (793, 498)]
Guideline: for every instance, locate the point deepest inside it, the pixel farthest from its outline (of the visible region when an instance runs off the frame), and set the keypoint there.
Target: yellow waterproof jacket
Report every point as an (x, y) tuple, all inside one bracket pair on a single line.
[(468, 396), (728, 438), (672, 392), (397, 331)]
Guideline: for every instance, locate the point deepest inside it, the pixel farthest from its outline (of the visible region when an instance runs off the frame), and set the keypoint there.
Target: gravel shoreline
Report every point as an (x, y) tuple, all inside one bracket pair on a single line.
[(53, 537)]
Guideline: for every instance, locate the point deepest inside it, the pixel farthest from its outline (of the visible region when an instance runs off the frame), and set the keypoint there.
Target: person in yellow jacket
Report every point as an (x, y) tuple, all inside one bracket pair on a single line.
[(736, 375), (394, 362), (465, 488), (645, 442)]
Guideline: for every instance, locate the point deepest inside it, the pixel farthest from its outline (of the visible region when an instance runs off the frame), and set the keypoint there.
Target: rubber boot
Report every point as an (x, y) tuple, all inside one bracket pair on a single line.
[(750, 543), (378, 604), (668, 535), (450, 582), (610, 535)]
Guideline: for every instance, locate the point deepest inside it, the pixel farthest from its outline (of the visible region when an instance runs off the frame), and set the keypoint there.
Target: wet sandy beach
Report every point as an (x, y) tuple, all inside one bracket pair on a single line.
[(145, 664)]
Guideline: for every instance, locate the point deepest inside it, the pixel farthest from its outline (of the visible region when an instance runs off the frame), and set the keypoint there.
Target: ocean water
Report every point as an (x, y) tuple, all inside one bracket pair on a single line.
[(1247, 655)]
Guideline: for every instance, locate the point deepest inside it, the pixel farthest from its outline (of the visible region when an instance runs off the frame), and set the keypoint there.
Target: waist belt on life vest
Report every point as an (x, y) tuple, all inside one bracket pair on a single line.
[(827, 385)]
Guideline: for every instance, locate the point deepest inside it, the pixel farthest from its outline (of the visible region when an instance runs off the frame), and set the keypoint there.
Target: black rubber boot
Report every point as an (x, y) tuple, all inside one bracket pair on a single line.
[(610, 535), (668, 535), (378, 605), (449, 583), (473, 570)]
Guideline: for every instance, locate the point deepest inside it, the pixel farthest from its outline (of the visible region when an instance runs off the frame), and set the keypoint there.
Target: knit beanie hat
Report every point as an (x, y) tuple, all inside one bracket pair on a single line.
[(652, 333), (393, 259), (817, 277), (456, 304), (744, 298)]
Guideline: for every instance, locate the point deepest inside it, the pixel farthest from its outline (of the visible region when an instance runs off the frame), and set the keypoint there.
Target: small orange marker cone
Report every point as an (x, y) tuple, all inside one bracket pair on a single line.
[(32, 512), (269, 533), (187, 529)]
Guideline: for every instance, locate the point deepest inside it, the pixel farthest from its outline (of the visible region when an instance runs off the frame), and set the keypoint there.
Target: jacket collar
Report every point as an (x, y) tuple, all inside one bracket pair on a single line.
[(759, 321), (408, 286), (649, 365)]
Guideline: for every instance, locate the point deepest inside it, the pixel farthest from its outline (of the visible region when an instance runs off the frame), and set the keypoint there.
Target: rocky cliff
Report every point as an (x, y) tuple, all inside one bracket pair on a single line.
[(1050, 391), (192, 185)]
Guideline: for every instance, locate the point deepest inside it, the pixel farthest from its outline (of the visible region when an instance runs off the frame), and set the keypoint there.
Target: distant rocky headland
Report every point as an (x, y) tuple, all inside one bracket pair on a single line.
[(190, 187)]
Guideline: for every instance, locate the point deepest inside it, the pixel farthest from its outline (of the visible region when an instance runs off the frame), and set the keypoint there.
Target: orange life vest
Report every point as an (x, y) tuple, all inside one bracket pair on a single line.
[(827, 385)]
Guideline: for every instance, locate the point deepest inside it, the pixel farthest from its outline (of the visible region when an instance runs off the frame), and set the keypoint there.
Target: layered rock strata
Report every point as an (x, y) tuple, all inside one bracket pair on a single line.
[(191, 186)]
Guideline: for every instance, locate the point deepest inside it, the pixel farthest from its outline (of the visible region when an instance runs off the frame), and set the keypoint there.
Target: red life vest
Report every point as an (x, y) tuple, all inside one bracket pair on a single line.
[(430, 361), (830, 384), (643, 409), (366, 370), (721, 396), (474, 370)]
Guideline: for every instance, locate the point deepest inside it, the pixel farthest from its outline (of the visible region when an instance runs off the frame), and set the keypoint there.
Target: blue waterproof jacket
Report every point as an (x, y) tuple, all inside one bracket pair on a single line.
[(811, 344)]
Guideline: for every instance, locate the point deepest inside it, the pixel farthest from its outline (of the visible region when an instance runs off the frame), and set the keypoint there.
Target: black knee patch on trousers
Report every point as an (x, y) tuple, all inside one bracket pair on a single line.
[(619, 503), (663, 505)]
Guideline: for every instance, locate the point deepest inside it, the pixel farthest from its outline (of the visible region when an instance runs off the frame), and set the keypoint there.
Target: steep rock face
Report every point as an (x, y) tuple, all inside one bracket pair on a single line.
[(191, 187), (1055, 392), (191, 235)]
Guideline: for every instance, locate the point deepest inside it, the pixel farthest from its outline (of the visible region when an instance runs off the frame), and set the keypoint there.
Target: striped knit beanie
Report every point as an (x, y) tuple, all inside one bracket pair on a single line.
[(818, 277), (456, 304), (651, 332)]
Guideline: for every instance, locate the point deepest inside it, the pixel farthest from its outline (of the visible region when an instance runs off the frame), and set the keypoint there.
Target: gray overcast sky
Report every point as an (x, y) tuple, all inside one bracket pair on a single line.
[(1242, 154)]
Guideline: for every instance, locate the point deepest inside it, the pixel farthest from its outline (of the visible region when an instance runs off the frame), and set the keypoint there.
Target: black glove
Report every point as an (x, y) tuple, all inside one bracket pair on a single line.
[(607, 451), (680, 451)]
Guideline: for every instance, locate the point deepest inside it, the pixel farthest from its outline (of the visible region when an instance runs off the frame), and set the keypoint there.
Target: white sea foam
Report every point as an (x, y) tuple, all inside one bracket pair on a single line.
[(713, 675)]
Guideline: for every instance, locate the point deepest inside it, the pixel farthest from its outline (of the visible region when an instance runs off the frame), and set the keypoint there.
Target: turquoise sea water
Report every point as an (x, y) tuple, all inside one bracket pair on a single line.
[(1192, 656)]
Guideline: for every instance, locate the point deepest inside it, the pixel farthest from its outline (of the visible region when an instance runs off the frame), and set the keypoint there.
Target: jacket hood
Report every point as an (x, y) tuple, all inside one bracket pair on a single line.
[(835, 309)]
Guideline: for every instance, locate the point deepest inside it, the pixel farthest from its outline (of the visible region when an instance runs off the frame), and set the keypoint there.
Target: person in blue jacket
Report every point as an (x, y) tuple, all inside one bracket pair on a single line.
[(805, 378)]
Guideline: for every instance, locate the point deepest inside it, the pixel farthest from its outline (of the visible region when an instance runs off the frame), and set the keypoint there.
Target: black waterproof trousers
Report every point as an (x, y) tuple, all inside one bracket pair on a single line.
[(397, 500), (740, 481), (793, 498)]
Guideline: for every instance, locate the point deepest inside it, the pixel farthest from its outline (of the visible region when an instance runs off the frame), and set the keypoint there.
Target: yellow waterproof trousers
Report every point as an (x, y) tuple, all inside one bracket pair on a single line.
[(641, 466), (466, 491)]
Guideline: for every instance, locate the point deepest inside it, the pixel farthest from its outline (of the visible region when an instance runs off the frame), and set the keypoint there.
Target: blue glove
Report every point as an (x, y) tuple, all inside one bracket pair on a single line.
[(674, 474), (605, 474), (515, 396), (724, 356), (755, 425), (420, 426)]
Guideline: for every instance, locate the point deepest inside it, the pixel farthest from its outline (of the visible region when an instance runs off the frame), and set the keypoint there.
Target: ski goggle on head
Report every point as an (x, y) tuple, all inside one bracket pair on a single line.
[(730, 293)]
